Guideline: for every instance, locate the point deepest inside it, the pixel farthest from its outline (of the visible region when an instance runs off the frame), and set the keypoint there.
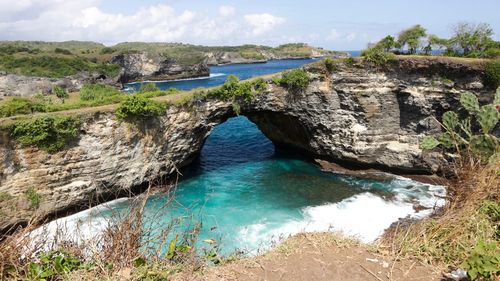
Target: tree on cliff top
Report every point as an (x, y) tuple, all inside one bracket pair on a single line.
[(471, 38), (411, 37)]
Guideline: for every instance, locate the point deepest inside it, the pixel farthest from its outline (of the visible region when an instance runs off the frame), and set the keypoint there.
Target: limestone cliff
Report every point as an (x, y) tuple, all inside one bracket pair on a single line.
[(141, 66), (358, 114)]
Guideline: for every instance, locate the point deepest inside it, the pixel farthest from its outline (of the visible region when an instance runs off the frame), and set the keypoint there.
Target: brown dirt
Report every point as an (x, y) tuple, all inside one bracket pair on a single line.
[(320, 256)]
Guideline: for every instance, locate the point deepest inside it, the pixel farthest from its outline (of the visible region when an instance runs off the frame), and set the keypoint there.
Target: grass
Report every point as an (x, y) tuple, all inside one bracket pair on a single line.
[(4, 196), (34, 198), (449, 238)]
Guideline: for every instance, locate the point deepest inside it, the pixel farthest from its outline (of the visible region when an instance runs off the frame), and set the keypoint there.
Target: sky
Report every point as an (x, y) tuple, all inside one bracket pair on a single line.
[(331, 24)]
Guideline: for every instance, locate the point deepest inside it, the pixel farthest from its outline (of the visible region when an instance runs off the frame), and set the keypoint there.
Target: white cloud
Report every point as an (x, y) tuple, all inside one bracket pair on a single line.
[(226, 11), (262, 23), (58, 20), (351, 36), (333, 36)]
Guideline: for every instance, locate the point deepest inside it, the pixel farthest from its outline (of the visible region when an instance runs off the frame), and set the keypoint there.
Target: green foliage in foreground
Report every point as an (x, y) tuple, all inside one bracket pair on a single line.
[(295, 80), (33, 197), (47, 132), (377, 56), (492, 74), (483, 261), (459, 132), (135, 108), (53, 264)]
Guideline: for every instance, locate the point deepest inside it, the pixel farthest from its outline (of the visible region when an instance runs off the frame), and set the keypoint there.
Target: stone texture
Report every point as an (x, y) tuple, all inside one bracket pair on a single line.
[(361, 115), (142, 66)]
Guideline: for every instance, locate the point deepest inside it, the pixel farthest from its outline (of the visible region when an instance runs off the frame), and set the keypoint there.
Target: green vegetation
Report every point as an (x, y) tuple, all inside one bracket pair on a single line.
[(483, 261), (149, 87), (295, 80), (33, 197), (54, 264), (492, 73), (15, 106), (411, 38), (459, 133), (47, 133), (52, 66), (136, 108), (377, 56), (60, 93), (468, 40), (331, 65), (98, 93)]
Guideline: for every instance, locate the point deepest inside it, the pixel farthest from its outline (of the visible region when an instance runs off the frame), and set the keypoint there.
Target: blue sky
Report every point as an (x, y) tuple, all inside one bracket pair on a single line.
[(340, 25)]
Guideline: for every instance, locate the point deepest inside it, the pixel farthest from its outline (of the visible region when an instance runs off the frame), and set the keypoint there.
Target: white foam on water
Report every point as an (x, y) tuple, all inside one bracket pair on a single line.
[(83, 228), (363, 216), (216, 74)]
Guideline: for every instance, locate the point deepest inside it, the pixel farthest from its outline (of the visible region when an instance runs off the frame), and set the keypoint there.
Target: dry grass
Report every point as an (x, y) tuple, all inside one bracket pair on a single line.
[(448, 238)]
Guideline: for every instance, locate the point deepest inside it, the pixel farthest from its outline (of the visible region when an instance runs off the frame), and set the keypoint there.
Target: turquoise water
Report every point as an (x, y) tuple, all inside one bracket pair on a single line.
[(218, 74), (245, 196)]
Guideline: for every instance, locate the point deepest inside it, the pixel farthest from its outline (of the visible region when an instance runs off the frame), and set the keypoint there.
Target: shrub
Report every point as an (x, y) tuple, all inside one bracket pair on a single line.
[(492, 53), (33, 197), (46, 132), (331, 65), (149, 87), (158, 93), (492, 74), (62, 51), (295, 80), (15, 106), (41, 102), (459, 131), (377, 57), (55, 265), (483, 261), (107, 50), (97, 92), (350, 61), (60, 93), (139, 108)]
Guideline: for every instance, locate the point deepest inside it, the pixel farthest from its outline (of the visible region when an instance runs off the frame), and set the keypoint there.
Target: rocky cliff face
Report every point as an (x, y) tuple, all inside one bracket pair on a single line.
[(222, 58), (362, 115), (142, 66)]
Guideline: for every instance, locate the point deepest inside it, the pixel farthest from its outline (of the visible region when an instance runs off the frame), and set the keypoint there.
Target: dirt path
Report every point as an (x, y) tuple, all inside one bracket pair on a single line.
[(314, 257)]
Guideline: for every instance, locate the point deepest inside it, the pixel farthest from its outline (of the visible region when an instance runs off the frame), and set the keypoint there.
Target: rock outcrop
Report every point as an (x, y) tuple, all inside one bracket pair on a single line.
[(141, 66), (366, 116), (222, 58)]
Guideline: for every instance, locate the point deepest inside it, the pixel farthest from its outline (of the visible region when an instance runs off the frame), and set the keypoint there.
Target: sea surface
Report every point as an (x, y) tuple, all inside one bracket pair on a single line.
[(243, 195), (218, 74)]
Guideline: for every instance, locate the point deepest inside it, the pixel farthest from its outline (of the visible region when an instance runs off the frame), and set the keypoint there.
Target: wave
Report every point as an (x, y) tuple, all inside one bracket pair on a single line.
[(364, 216)]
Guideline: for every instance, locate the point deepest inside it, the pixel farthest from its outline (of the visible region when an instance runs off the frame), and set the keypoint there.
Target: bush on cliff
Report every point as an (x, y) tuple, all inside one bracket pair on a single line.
[(98, 92), (295, 80), (47, 132), (148, 87), (492, 74), (15, 106), (377, 56), (136, 108)]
